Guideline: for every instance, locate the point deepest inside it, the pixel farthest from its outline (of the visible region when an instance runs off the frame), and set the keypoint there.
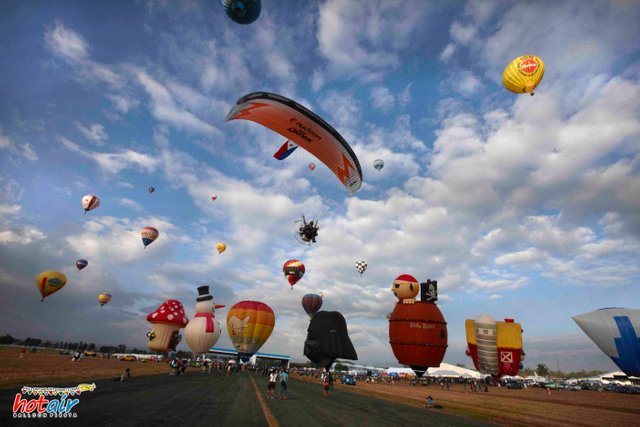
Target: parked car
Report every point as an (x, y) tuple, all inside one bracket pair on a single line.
[(90, 353), (128, 358), (348, 379), (514, 385)]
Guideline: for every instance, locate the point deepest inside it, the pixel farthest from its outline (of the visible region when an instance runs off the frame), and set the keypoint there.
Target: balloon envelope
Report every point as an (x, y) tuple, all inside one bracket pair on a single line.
[(214, 197), (81, 263), (312, 166), (361, 266), (221, 247), (293, 270), (249, 324), (378, 164), (149, 235), (615, 331), (306, 129), (90, 202), (311, 304), (523, 74), (151, 189), (242, 11), (50, 282), (104, 299), (328, 339)]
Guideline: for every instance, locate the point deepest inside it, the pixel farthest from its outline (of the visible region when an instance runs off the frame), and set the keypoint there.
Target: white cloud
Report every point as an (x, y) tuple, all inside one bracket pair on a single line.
[(447, 52), (130, 204), (22, 235), (528, 256), (94, 133), (382, 98), (115, 162), (24, 150), (462, 34), (66, 43)]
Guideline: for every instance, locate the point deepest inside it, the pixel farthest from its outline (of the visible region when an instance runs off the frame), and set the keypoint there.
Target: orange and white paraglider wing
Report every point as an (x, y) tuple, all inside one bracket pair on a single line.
[(306, 129), (523, 74), (249, 324)]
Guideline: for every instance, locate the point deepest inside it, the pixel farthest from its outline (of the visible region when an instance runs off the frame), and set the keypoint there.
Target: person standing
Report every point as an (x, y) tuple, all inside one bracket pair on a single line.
[(326, 383), (284, 377), (271, 385)]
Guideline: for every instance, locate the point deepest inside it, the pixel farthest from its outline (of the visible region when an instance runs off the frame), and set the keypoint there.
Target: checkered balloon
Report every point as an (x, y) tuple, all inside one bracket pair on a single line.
[(361, 266)]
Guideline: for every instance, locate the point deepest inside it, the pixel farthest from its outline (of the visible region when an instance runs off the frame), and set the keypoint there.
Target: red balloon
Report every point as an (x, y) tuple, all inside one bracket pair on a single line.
[(312, 166), (293, 270)]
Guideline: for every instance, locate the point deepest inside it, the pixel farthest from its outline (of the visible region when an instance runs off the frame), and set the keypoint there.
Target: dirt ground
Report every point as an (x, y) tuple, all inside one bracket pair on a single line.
[(47, 368), (531, 406)]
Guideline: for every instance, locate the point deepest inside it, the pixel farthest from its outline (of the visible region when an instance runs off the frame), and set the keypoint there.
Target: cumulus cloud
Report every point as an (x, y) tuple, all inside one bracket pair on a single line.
[(23, 150), (94, 133), (115, 162), (382, 98)]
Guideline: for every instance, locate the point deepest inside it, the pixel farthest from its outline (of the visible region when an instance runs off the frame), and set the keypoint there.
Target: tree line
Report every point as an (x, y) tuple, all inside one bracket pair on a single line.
[(64, 345)]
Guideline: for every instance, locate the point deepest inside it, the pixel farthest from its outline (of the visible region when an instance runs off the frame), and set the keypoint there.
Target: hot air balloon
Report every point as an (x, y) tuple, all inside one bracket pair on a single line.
[(495, 347), (304, 128), (312, 167), (361, 266), (203, 330), (151, 189), (149, 235), (293, 270), (213, 197), (328, 339), (104, 299), (50, 282), (249, 324), (417, 330), (167, 321), (311, 304), (81, 263), (221, 247), (523, 74), (378, 164), (616, 331), (242, 11), (90, 202)]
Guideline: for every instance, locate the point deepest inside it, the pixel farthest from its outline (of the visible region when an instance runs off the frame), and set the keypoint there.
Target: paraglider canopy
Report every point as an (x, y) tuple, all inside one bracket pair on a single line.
[(306, 129)]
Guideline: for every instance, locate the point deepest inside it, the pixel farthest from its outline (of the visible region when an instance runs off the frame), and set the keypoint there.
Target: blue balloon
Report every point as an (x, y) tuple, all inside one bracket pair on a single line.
[(242, 11)]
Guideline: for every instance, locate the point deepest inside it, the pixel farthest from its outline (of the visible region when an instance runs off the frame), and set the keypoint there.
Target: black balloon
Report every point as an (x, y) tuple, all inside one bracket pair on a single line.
[(328, 339)]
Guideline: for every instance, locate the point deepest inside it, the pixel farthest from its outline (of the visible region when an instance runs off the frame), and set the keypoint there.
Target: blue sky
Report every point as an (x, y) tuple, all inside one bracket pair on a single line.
[(523, 207)]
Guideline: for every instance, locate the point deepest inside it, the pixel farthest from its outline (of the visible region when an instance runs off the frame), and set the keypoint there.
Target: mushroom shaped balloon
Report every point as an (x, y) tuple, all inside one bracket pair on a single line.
[(90, 202), (50, 282), (221, 247), (523, 74), (167, 321), (249, 324), (149, 235), (81, 263), (293, 270), (104, 299), (311, 304)]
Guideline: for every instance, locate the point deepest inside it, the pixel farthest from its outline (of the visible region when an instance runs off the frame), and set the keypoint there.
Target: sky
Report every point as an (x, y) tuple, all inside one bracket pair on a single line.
[(522, 207)]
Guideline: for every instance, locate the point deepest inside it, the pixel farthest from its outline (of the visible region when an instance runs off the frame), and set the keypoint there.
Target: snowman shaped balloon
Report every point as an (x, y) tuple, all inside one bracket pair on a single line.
[(203, 330)]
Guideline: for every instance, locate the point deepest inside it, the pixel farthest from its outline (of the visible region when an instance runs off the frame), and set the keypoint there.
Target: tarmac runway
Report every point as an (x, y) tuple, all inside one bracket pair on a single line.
[(198, 399)]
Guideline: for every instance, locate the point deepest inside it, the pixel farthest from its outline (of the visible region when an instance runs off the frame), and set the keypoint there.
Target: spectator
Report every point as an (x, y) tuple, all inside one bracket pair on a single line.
[(284, 377), (271, 384), (429, 402)]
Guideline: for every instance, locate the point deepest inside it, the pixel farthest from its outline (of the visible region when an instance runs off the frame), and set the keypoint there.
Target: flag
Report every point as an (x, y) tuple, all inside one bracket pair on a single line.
[(287, 148)]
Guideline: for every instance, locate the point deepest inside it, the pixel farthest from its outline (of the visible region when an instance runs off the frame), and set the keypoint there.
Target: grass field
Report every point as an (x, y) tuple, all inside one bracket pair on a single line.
[(152, 396)]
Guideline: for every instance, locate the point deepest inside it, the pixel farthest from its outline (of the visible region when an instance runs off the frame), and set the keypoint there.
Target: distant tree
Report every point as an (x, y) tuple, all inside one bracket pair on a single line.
[(105, 349), (47, 344), (36, 342), (461, 365), (92, 347), (122, 348), (7, 339), (340, 367), (542, 369)]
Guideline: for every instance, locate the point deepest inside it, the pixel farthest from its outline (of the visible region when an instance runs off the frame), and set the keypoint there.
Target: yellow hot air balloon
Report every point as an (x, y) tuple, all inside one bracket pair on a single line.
[(103, 299), (50, 282), (221, 247), (249, 324), (523, 74)]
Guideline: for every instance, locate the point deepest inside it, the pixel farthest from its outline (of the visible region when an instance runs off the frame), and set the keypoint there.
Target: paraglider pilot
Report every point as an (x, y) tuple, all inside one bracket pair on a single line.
[(308, 231)]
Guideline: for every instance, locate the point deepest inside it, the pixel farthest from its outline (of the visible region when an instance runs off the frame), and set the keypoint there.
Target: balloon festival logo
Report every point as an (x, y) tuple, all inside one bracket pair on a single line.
[(59, 407)]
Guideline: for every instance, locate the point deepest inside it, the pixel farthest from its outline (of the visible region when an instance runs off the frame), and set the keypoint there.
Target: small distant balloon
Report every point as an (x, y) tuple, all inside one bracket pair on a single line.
[(90, 202), (81, 263), (311, 304), (151, 189), (149, 235), (104, 299), (378, 164), (293, 270), (50, 282), (221, 247), (242, 11), (361, 266), (213, 197), (312, 166)]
